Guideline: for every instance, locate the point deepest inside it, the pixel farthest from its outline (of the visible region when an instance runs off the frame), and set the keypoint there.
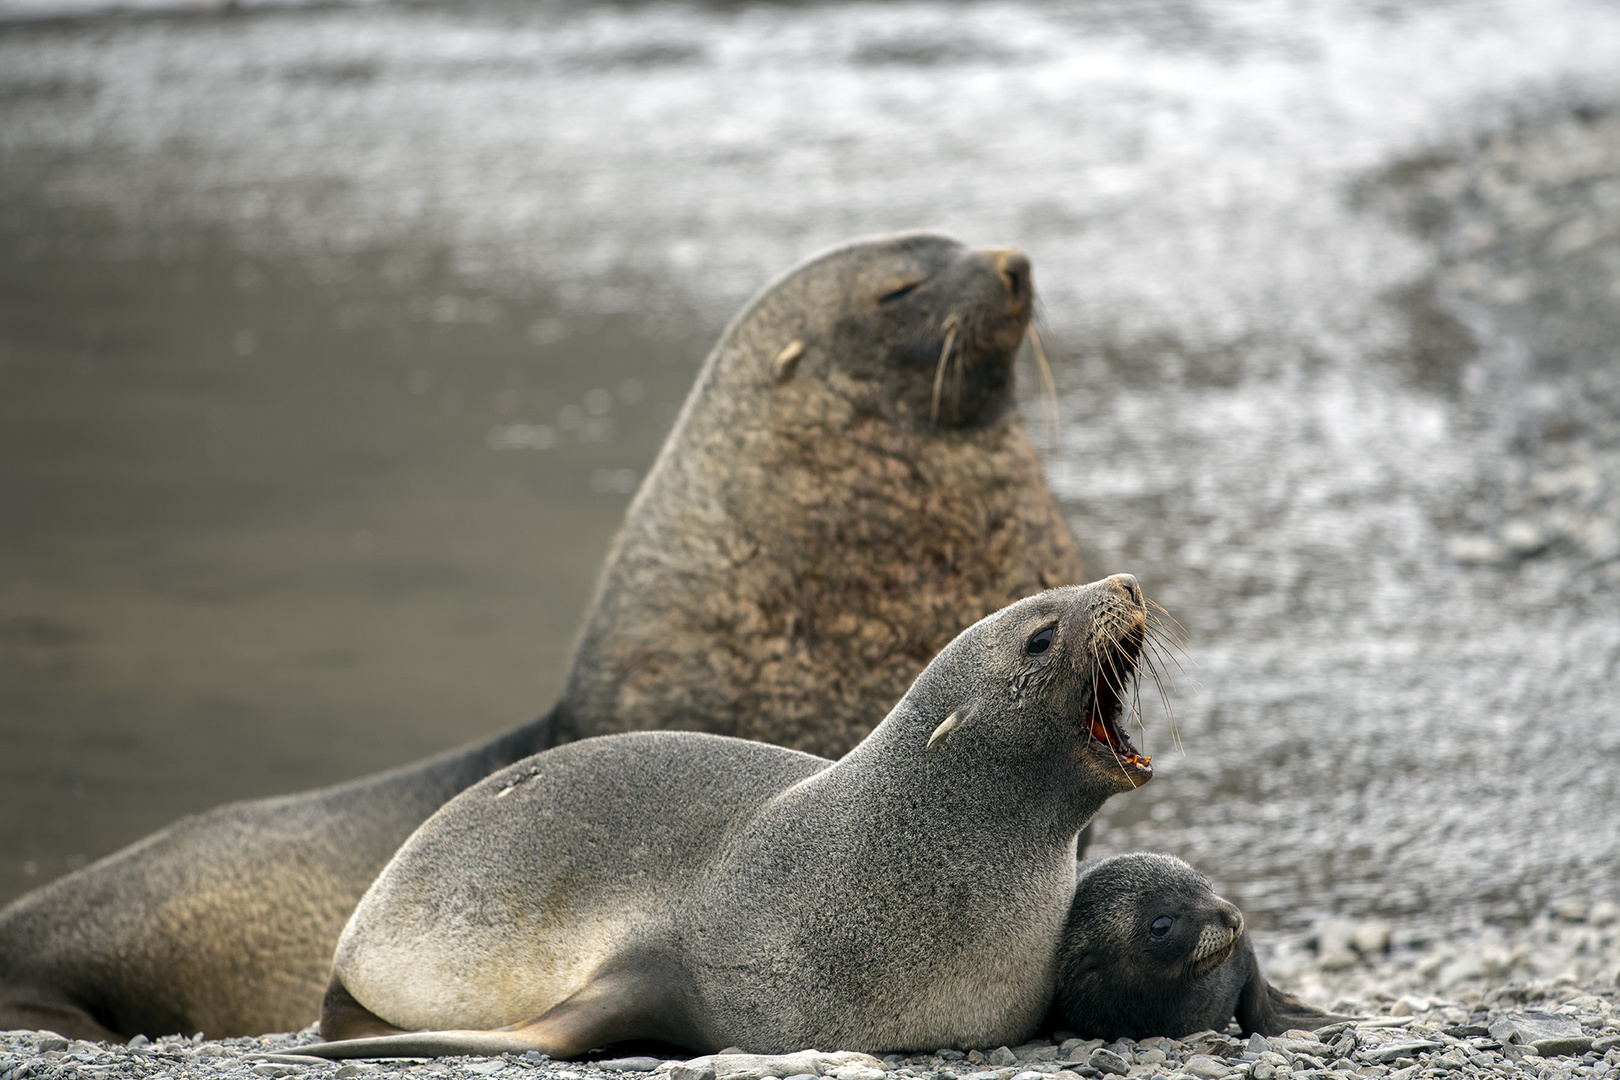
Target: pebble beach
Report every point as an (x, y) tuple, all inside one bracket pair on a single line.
[(1539, 1000)]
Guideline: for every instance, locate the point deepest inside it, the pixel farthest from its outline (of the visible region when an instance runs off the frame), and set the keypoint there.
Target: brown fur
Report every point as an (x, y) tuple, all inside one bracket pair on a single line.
[(802, 548)]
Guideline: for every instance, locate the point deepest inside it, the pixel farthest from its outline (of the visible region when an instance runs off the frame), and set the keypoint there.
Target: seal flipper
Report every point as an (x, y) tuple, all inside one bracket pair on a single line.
[(646, 1001), (1263, 1008)]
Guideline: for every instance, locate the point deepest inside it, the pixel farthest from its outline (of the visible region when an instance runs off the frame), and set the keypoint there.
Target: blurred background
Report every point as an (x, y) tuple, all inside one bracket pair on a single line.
[(335, 337)]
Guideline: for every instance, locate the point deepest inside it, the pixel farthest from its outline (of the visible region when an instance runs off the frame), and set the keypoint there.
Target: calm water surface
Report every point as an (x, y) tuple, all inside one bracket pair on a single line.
[(333, 339)]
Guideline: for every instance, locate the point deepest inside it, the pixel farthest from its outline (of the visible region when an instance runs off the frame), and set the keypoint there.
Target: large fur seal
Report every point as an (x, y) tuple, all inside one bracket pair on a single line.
[(711, 892), (848, 486), (1149, 949)]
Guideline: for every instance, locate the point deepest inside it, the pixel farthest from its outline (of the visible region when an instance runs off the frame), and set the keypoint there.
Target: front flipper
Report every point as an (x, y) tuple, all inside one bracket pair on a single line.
[(1263, 1008), (632, 1001)]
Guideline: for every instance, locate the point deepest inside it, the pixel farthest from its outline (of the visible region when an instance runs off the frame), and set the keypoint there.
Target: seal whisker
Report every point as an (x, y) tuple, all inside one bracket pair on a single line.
[(951, 323), (1048, 388)]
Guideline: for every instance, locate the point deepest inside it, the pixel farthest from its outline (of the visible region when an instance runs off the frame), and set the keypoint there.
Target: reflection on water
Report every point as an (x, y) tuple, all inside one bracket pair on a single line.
[(335, 338)]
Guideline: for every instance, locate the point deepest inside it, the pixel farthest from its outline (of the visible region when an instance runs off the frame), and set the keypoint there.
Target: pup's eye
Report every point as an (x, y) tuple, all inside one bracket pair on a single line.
[(1040, 642), (1161, 926), (896, 293)]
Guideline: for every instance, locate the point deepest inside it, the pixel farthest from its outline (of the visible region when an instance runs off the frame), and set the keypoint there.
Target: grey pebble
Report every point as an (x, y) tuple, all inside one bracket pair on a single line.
[(1105, 1060), (630, 1064), (1001, 1055)]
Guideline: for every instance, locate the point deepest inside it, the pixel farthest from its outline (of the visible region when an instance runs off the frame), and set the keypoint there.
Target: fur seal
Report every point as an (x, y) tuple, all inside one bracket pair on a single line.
[(848, 486), (711, 892), (1149, 949)]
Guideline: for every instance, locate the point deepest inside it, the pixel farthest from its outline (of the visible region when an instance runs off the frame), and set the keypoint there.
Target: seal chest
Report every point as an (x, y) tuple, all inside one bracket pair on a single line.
[(709, 891)]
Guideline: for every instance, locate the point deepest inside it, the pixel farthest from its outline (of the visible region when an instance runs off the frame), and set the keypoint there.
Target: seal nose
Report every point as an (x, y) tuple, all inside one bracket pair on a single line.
[(1013, 266), (1126, 586), (1232, 917)]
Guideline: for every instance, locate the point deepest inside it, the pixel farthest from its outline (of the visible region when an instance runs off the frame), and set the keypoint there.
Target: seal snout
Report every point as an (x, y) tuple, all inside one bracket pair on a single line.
[(1013, 267), (1218, 937)]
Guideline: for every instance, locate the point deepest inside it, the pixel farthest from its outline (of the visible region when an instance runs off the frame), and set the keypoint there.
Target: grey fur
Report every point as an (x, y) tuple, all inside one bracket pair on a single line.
[(1116, 980), (733, 893), (807, 540)]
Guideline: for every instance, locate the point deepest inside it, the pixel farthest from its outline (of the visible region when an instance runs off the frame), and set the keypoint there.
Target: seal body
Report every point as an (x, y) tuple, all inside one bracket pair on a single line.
[(710, 892), (847, 487), (1149, 949), (225, 921)]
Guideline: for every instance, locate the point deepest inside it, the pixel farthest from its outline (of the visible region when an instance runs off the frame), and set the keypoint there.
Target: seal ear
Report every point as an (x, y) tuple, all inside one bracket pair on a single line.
[(944, 730), (787, 360)]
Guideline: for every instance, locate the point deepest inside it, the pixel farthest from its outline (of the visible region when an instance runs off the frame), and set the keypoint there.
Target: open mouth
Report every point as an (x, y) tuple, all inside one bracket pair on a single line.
[(1102, 712)]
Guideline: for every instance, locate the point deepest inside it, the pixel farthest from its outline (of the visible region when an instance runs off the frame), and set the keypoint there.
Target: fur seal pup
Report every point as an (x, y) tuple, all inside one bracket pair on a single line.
[(848, 486), (712, 892), (1149, 949)]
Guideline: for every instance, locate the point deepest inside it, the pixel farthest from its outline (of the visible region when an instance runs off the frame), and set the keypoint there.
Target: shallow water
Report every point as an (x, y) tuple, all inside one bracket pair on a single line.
[(334, 338)]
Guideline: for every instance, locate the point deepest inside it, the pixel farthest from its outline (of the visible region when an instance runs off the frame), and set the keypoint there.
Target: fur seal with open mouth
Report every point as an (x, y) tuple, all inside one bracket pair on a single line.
[(1149, 949), (712, 892), (848, 487)]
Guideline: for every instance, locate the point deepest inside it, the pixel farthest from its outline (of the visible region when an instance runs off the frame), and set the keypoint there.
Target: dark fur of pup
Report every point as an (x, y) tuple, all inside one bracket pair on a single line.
[(1150, 950)]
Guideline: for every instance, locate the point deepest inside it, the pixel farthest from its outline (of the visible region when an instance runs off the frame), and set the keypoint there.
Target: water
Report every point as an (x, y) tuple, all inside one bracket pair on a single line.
[(334, 338)]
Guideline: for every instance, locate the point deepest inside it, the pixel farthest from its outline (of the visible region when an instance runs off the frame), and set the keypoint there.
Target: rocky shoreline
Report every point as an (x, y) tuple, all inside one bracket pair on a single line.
[(1539, 1000)]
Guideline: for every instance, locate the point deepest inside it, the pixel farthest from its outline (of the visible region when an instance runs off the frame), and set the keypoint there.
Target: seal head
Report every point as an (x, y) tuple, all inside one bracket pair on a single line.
[(713, 892), (1149, 949)]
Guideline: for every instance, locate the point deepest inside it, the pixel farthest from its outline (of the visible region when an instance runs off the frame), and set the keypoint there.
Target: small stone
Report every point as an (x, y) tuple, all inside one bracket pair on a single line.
[(1029, 1074), (1396, 1050), (1202, 1065), (139, 1041), (1001, 1055), (1604, 913), (1370, 939), (1262, 1071), (948, 1054), (630, 1064), (271, 1068), (1531, 1027), (1572, 911), (1105, 1060), (1606, 1043), (1081, 1051), (47, 1043), (352, 1069), (1564, 1047), (1475, 550), (485, 1068), (975, 1057), (1152, 1056), (684, 1071)]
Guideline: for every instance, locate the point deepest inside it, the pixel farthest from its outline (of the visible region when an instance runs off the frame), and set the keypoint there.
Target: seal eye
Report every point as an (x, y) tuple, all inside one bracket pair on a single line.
[(896, 293), (1161, 926), (1041, 643)]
